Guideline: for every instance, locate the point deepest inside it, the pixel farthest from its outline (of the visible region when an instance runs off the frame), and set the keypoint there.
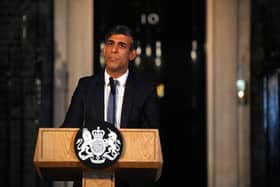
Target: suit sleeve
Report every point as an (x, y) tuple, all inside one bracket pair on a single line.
[(152, 108), (75, 115)]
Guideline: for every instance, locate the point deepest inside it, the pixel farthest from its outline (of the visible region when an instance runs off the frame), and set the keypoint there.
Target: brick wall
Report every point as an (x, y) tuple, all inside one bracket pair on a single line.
[(26, 66), (265, 55)]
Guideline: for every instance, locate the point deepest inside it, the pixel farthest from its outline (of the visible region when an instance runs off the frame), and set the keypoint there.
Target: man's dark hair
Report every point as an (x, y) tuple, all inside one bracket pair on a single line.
[(125, 30)]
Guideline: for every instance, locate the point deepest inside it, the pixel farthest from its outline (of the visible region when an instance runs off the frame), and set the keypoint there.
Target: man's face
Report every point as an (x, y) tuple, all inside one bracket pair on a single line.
[(118, 52)]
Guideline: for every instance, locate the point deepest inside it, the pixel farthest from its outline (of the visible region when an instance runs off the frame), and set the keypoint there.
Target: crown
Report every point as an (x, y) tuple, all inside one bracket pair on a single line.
[(98, 133)]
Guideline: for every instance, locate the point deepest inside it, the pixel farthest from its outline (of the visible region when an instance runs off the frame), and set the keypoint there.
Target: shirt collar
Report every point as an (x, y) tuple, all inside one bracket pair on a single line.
[(122, 79)]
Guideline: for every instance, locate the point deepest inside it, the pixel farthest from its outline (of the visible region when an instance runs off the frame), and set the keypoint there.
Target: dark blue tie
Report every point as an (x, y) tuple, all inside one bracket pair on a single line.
[(111, 112)]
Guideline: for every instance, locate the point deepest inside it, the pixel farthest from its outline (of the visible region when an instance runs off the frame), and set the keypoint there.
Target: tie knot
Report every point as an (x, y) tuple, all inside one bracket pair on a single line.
[(113, 84)]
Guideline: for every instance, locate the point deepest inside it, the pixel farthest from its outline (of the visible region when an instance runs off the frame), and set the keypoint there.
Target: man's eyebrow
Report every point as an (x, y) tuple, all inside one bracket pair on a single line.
[(123, 43), (118, 42)]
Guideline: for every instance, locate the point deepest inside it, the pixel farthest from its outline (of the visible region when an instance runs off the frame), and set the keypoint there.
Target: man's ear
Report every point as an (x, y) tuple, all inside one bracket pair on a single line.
[(132, 55), (103, 50)]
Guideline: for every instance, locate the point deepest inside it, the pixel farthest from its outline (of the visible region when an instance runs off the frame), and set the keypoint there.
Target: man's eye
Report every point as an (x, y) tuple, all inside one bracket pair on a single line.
[(123, 46)]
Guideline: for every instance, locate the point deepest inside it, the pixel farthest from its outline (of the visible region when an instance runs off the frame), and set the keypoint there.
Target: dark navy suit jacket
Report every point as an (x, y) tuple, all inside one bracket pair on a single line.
[(140, 103)]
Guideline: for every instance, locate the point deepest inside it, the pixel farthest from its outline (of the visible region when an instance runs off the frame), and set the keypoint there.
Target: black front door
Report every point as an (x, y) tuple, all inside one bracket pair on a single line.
[(171, 39)]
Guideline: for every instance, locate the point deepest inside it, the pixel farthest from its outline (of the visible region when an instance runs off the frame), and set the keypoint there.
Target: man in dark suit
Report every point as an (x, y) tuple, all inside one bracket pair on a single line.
[(137, 103)]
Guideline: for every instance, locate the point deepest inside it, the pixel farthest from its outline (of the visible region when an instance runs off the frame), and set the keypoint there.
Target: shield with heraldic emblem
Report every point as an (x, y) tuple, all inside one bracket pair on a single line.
[(99, 146)]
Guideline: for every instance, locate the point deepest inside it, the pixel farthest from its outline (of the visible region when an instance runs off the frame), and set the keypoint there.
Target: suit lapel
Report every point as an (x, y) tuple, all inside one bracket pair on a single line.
[(100, 101), (127, 102), (97, 91)]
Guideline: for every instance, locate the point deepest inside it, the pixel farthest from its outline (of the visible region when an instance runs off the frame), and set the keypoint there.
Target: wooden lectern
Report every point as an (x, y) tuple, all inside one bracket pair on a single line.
[(141, 159)]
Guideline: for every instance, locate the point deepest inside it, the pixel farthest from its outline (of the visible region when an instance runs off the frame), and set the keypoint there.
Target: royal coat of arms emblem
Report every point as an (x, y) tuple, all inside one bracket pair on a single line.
[(98, 147)]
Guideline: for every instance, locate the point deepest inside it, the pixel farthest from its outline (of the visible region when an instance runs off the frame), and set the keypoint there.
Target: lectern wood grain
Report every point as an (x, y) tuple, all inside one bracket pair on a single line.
[(54, 156)]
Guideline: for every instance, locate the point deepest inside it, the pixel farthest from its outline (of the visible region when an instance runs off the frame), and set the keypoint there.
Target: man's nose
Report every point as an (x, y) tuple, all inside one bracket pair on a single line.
[(115, 48)]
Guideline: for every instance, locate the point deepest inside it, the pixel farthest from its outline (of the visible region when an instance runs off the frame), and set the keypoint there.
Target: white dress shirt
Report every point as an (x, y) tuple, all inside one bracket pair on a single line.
[(120, 88)]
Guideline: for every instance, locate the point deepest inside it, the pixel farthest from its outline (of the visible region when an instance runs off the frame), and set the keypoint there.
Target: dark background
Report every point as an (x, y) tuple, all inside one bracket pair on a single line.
[(26, 84)]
